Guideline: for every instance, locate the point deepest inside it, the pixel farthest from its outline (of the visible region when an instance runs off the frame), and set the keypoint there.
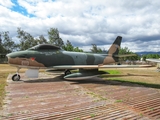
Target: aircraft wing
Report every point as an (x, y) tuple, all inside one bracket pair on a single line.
[(98, 66), (154, 60), (88, 71)]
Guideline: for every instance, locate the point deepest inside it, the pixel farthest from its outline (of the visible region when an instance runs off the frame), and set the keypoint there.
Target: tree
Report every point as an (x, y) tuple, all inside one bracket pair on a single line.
[(7, 45), (124, 51), (27, 40), (76, 49), (95, 49), (42, 40), (54, 37), (144, 57), (2, 50), (0, 39), (70, 47), (155, 56), (1, 46)]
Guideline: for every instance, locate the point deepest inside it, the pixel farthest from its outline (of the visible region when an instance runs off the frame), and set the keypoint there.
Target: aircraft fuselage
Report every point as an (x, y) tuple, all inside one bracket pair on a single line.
[(53, 58)]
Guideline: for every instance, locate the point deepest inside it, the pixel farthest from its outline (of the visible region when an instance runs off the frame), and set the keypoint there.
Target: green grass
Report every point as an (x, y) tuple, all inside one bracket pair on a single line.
[(92, 115), (118, 101), (112, 72), (119, 76), (5, 69), (77, 119), (2, 87), (145, 84)]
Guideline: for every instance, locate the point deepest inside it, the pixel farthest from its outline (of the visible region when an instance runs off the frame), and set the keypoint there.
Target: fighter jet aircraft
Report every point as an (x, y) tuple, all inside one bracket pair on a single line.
[(45, 56), (154, 60)]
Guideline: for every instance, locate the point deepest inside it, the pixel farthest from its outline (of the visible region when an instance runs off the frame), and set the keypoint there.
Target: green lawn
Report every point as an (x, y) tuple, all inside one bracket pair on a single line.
[(5, 69)]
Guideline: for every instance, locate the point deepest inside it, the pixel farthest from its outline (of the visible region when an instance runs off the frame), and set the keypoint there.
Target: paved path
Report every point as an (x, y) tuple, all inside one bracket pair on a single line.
[(51, 97)]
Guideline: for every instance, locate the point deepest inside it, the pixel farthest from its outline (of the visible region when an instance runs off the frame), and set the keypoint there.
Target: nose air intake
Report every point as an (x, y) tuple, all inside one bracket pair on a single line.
[(7, 56)]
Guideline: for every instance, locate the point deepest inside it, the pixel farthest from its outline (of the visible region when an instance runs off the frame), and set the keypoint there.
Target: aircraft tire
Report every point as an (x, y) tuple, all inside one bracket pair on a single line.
[(16, 77), (67, 72)]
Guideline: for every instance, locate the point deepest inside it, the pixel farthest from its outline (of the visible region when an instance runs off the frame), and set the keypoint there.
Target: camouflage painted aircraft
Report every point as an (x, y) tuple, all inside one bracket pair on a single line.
[(45, 56)]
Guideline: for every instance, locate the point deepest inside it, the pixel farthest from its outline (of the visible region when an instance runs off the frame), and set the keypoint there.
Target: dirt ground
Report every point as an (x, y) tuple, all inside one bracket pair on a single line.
[(132, 95), (143, 75)]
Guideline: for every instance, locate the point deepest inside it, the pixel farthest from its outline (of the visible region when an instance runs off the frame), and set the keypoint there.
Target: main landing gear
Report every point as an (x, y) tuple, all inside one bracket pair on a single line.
[(16, 77), (67, 72)]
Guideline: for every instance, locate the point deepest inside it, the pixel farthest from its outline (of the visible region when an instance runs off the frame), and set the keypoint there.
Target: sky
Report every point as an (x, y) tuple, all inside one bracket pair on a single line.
[(87, 22)]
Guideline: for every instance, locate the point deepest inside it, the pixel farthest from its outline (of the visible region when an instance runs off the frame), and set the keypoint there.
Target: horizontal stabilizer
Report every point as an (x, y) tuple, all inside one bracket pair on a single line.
[(126, 55)]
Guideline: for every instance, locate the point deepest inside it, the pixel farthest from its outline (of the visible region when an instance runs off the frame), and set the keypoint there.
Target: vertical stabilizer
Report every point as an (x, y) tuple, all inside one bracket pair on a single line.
[(114, 49)]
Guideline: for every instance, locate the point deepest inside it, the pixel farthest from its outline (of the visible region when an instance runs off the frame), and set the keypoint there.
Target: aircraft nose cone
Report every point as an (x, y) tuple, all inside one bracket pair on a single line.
[(10, 55), (7, 55), (14, 57), (8, 58)]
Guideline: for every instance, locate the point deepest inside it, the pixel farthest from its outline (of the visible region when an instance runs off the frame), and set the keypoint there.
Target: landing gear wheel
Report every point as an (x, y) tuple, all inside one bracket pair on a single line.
[(16, 77), (67, 72)]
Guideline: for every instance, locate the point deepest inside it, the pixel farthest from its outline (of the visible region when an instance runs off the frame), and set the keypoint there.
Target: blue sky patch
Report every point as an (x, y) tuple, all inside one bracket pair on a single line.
[(20, 9)]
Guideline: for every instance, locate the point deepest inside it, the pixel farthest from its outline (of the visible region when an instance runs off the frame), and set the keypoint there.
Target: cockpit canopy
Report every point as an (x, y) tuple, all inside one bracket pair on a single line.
[(44, 47)]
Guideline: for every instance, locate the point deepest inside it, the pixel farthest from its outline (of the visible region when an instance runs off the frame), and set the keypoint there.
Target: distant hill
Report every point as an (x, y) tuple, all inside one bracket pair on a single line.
[(144, 53)]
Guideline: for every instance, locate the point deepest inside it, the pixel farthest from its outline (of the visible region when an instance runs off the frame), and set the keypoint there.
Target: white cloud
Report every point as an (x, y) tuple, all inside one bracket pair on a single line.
[(87, 22), (6, 3)]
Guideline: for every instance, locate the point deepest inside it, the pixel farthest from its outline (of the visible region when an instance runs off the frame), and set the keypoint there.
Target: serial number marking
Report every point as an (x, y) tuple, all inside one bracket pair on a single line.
[(26, 63)]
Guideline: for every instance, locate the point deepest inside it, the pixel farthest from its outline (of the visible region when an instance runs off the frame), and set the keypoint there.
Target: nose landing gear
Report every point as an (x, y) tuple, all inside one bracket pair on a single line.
[(16, 77)]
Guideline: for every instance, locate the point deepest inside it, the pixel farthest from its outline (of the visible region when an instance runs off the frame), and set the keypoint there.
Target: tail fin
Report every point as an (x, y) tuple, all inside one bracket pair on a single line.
[(114, 49), (112, 52)]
